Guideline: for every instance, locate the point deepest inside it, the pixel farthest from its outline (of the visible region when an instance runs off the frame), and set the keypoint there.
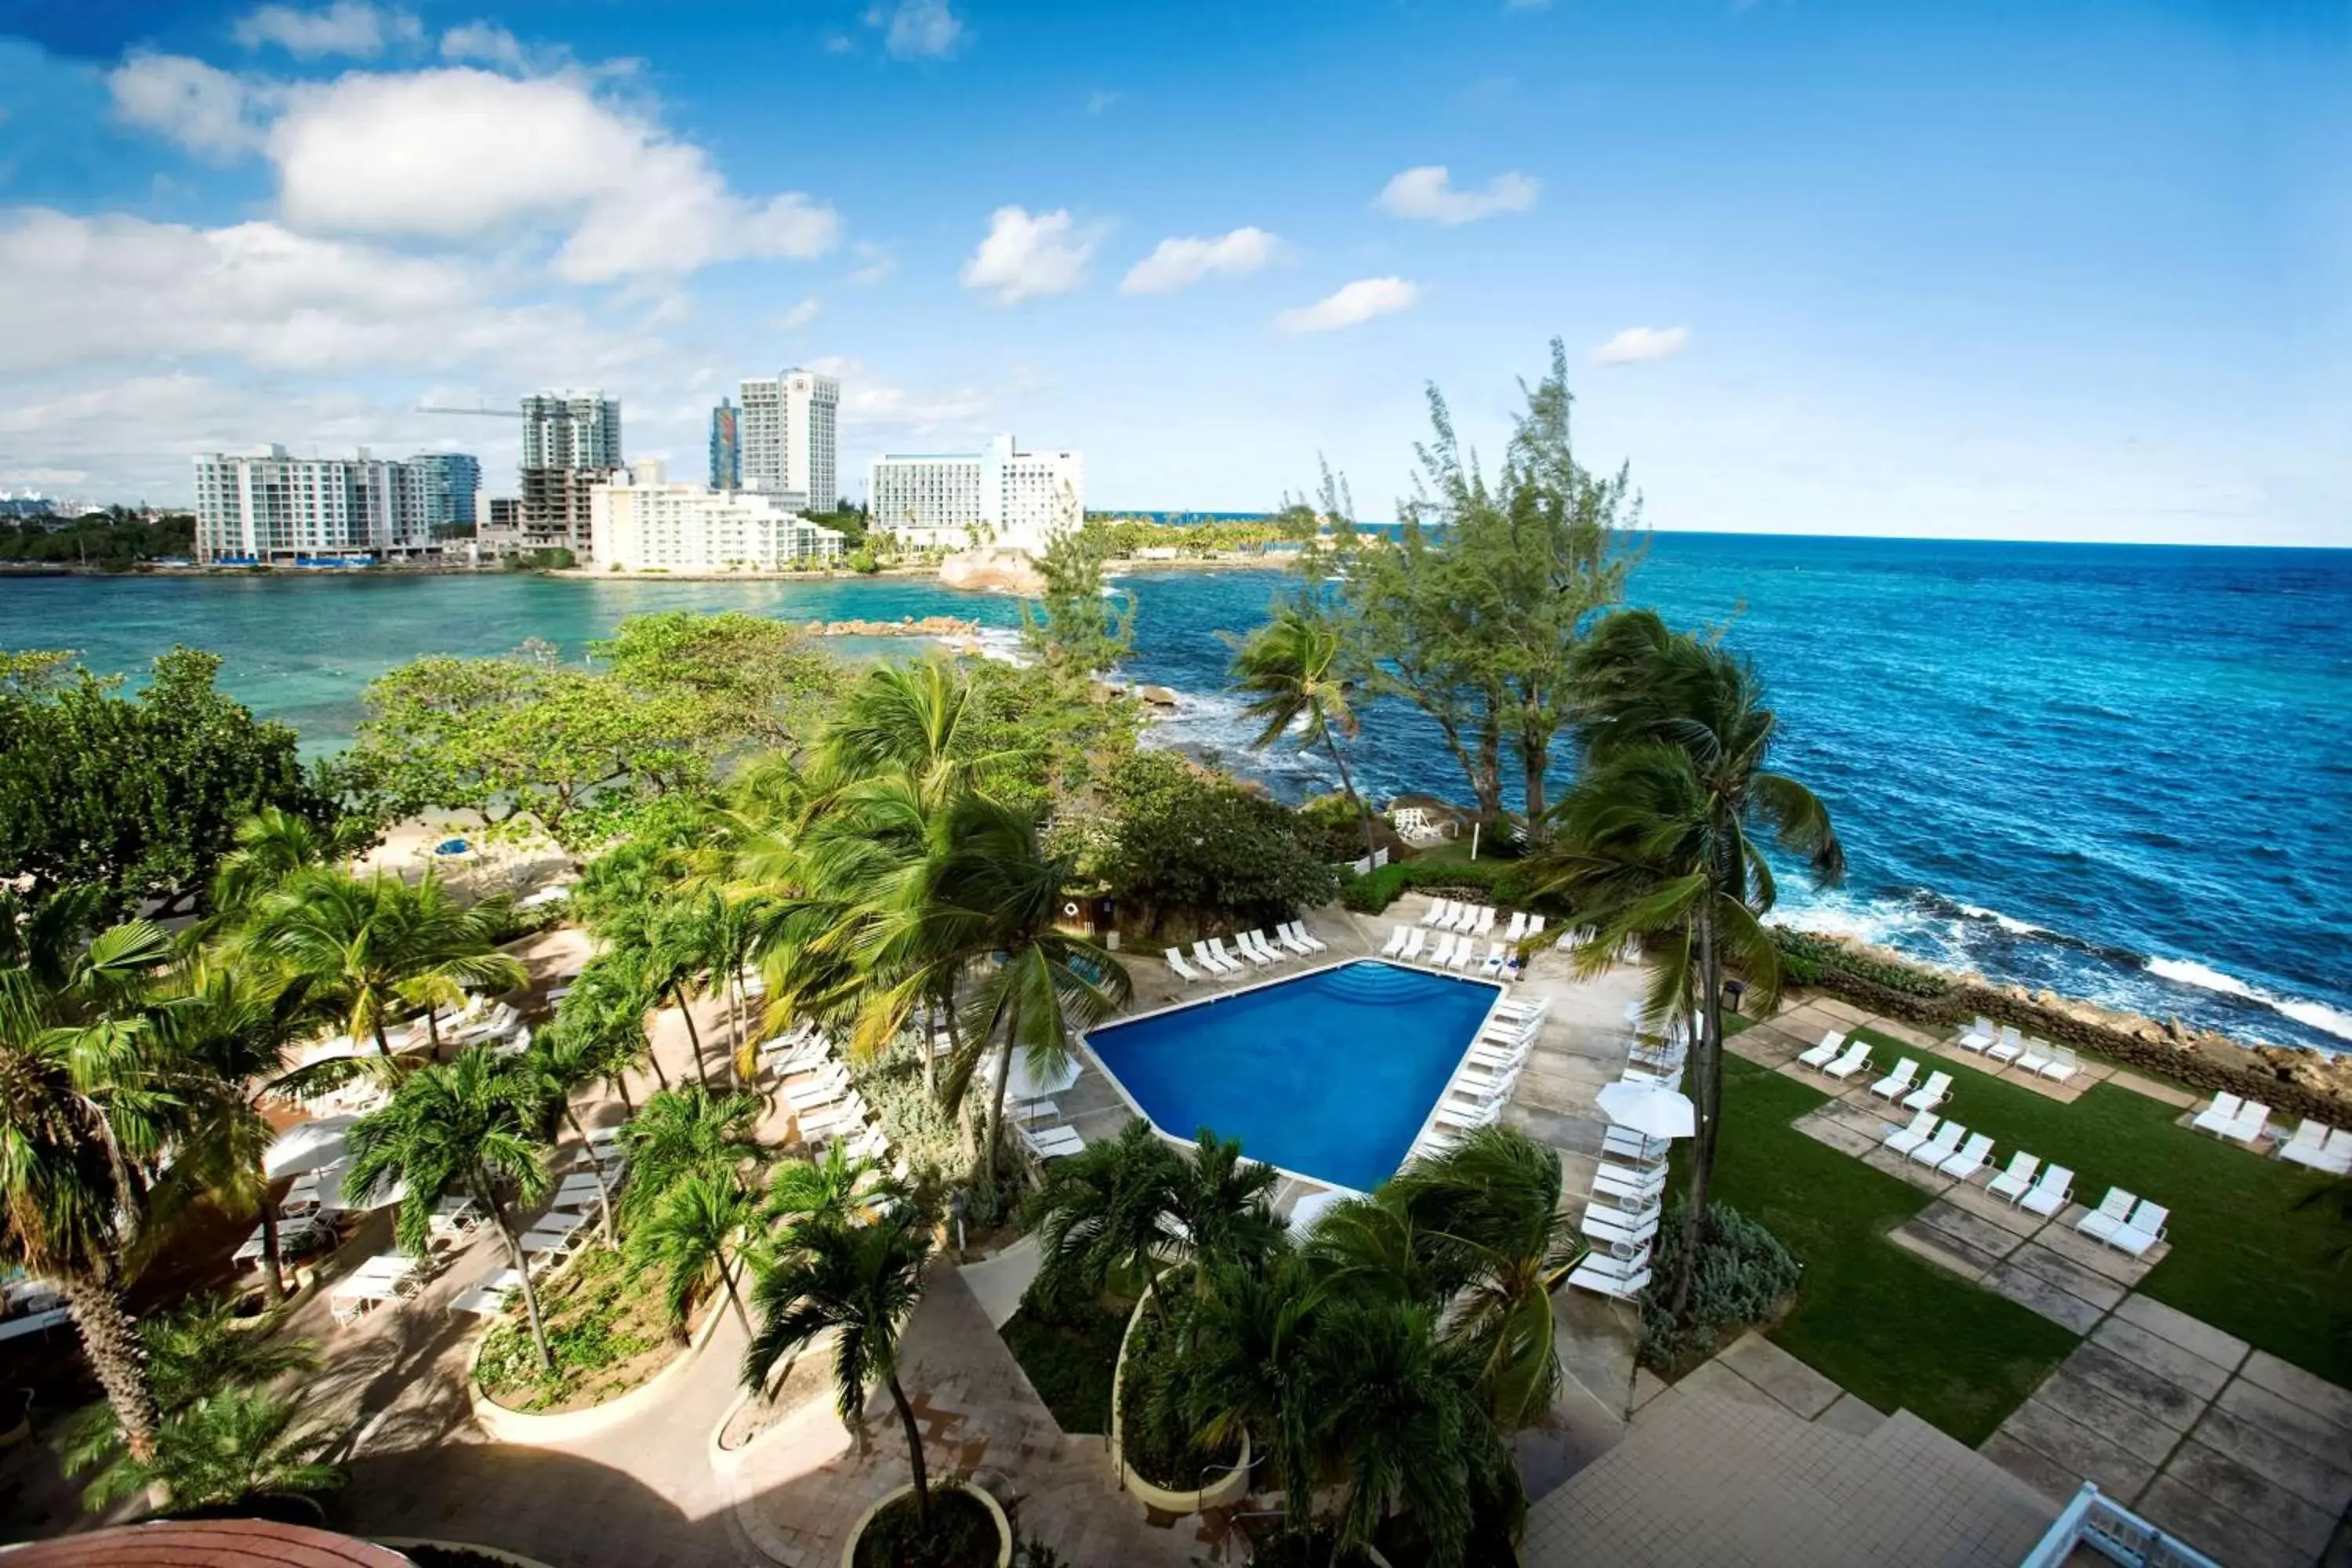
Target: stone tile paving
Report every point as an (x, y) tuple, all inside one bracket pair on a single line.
[(2242, 1455)]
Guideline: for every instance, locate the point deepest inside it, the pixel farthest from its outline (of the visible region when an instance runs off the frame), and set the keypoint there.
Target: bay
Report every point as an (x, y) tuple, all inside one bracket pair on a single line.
[(2112, 771)]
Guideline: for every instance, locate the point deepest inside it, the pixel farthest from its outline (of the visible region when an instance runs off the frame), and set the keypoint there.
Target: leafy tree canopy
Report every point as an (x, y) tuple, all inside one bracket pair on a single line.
[(1074, 627), (138, 793), (1178, 840)]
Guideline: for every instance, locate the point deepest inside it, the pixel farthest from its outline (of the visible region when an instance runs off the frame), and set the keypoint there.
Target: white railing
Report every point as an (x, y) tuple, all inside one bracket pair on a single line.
[(2114, 1532)]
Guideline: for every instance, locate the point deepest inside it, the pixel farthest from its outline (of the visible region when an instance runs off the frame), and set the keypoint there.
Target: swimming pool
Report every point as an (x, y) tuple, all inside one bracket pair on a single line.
[(1329, 1074)]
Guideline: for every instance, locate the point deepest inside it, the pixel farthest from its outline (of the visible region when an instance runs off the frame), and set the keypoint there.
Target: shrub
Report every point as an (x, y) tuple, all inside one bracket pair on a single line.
[(1806, 960), (1183, 841), (1155, 1435), (1744, 1276), (1369, 895)]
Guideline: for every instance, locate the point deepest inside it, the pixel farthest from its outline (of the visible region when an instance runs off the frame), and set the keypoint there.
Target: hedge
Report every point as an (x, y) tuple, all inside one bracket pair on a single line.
[(1369, 895)]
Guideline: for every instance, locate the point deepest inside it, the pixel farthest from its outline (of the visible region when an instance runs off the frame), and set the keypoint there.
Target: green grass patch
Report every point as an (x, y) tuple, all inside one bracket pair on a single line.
[(1891, 1327), (1068, 1358), (2244, 1259)]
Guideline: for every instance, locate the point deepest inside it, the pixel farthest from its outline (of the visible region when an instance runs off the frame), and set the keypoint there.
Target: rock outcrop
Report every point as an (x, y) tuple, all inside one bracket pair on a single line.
[(994, 570)]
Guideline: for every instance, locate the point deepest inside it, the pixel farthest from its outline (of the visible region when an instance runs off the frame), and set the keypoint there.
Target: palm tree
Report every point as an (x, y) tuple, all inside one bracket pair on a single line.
[(859, 1282), (671, 958), (1119, 1211), (1291, 669), (1487, 1216), (233, 1034), (471, 1127), (684, 1133), (368, 945), (1655, 840), (273, 845), (608, 1003), (225, 1449), (683, 1241), (567, 1058), (834, 1188), (81, 1110), (997, 890)]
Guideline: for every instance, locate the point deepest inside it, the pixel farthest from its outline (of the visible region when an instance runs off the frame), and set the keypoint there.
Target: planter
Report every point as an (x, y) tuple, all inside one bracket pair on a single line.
[(404, 1543), (1223, 1492), (523, 1427), (1003, 1525)]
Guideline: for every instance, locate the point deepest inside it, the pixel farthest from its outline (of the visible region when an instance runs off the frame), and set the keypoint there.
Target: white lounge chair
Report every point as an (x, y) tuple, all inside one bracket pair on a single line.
[(1495, 959), (1395, 945), (1453, 1113), (1209, 961), (1856, 1058), (2050, 1194), (1184, 971), (2036, 1056), (2101, 1223), (2018, 1179), (2253, 1120), (1820, 1056), (1518, 1007), (1970, 1159), (1930, 1094), (1535, 926), (1290, 937), (822, 1089), (2062, 1064), (2220, 1118), (2335, 1154), (1249, 955), (1442, 954), (1941, 1147), (2142, 1231), (2008, 1048), (1619, 1229), (2311, 1145), (1485, 924), (1979, 1034), (1412, 941), (1052, 1143), (1617, 1179), (1898, 1082), (1904, 1139), (1314, 943), (1603, 1277), (1464, 952), (1624, 1143), (1518, 928), (1440, 910)]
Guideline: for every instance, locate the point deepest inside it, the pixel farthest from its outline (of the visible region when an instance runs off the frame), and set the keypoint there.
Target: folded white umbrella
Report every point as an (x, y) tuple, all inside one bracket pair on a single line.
[(1651, 1112), (1022, 1086), (308, 1146)]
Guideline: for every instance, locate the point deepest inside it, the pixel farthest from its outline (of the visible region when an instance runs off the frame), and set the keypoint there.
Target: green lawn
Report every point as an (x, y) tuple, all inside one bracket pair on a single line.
[(1891, 1327), (2243, 1258)]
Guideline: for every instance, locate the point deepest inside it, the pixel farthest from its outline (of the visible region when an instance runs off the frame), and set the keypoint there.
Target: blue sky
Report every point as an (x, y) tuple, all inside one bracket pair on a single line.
[(2032, 270)]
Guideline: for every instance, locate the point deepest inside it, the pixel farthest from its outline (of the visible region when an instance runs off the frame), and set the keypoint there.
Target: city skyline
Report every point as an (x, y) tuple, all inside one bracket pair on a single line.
[(2072, 273)]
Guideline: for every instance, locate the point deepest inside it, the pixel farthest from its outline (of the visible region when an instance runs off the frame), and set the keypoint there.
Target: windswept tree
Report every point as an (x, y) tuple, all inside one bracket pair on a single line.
[(683, 1238), (1117, 1211), (1293, 671), (1076, 628), (1662, 838), (273, 846), (681, 1133), (471, 1128), (83, 1109)]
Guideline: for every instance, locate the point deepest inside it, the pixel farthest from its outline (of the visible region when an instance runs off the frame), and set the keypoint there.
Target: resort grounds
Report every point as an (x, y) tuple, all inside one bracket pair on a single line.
[(1951, 1371)]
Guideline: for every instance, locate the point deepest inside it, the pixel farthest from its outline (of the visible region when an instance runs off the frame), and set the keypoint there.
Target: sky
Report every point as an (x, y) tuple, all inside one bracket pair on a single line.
[(2036, 271)]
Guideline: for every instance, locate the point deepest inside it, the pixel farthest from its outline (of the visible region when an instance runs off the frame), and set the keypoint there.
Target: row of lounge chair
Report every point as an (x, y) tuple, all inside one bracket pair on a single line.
[(2232, 1120), (1490, 1070), (2320, 1146), (826, 1105), (1478, 920), (2004, 1045), (1211, 960), (2130, 1224), (1459, 953), (1627, 1197)]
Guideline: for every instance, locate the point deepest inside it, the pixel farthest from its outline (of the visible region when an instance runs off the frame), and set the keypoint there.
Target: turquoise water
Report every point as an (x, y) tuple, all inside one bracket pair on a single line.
[(2116, 772), (1331, 1075)]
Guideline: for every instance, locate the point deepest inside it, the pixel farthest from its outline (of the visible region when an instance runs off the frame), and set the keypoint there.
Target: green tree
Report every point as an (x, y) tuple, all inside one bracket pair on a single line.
[(567, 1058), (272, 846), (750, 683), (834, 1188), (1074, 627), (1116, 1213), (684, 1238), (369, 947), (860, 1283), (137, 794), (1176, 839), (1292, 670), (1659, 839), (472, 1128), (224, 1451), (1000, 891), (682, 1133), (83, 1111)]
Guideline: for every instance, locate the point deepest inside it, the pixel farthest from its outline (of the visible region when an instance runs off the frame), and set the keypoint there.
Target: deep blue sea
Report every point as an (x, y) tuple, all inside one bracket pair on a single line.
[(2118, 772)]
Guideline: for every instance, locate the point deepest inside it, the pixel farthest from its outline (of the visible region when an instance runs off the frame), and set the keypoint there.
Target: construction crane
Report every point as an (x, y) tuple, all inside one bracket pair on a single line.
[(480, 413)]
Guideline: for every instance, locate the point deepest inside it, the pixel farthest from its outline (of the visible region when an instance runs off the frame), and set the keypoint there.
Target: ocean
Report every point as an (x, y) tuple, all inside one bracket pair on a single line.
[(2116, 772)]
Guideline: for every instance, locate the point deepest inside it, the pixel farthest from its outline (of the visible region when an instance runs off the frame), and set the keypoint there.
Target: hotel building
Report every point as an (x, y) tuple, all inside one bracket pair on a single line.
[(791, 437), (1000, 496), (266, 507), (640, 521)]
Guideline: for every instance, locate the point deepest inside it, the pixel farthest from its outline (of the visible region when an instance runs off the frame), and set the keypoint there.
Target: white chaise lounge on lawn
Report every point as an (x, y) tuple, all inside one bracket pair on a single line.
[(2051, 1194), (1897, 1083), (1820, 1056), (1903, 1140)]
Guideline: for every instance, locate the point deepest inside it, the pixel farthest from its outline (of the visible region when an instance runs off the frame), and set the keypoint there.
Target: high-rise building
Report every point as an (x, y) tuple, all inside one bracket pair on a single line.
[(268, 507), (570, 442), (451, 480), (1000, 495), (726, 446), (792, 439), (640, 521)]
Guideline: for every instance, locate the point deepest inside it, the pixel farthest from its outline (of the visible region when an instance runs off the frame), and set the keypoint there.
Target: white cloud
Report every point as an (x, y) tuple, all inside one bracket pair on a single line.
[(206, 110), (874, 263), (870, 400), (442, 155), (484, 41), (918, 29), (800, 315), (1639, 346), (90, 290), (1024, 257), (1427, 193), (1176, 264), (1358, 302), (345, 27)]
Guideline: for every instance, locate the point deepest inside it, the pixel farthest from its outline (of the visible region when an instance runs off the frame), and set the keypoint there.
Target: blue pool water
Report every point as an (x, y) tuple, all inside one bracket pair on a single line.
[(1331, 1075)]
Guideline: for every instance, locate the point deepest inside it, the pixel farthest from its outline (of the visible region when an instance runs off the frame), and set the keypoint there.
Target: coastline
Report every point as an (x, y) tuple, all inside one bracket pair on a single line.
[(1117, 566)]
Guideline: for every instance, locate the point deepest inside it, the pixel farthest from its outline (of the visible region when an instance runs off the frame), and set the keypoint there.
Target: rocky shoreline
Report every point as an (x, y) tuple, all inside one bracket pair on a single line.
[(2294, 1080), (946, 628)]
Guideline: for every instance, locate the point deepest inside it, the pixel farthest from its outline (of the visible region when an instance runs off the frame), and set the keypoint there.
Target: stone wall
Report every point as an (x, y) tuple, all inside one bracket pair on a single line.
[(2292, 1082)]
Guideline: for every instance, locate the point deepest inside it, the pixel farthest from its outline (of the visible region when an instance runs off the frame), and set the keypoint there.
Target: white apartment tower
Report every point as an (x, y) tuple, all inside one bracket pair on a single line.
[(266, 507), (791, 437), (640, 521), (1000, 496)]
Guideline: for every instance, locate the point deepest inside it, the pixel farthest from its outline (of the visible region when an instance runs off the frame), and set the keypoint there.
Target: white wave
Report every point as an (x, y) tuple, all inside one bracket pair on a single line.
[(2314, 1014), (1002, 644), (1872, 920), (2014, 927)]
